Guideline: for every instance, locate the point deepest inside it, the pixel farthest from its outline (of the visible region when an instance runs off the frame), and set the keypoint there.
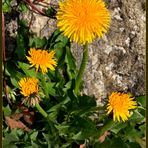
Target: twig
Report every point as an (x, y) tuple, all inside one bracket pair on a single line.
[(33, 7), (30, 23), (49, 4), (36, 10)]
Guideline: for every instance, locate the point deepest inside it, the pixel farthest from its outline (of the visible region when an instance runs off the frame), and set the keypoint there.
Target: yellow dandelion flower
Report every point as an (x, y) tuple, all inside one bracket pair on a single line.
[(83, 20), (42, 59), (29, 88), (120, 104)]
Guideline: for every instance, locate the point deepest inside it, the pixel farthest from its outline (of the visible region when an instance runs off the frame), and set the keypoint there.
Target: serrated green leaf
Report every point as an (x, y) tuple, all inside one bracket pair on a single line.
[(141, 110), (111, 143), (62, 38), (85, 127), (59, 88), (117, 142), (54, 36), (59, 55), (133, 145), (50, 140), (19, 132), (131, 133), (12, 96), (37, 42), (15, 82), (26, 137), (79, 136), (51, 90), (86, 101), (22, 40), (57, 106), (143, 127), (22, 7), (7, 110), (142, 101), (33, 136), (67, 86), (10, 138), (59, 41), (54, 109), (119, 126), (136, 117), (6, 6), (44, 84), (26, 68), (6, 71), (53, 115), (66, 145), (34, 145), (63, 129), (70, 61), (16, 78), (46, 136), (12, 145), (58, 45), (15, 74), (85, 104), (50, 12), (21, 46), (105, 144)]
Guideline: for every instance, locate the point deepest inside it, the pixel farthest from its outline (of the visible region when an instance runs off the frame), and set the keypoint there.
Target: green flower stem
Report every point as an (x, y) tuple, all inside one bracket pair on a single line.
[(40, 109), (45, 86), (82, 68)]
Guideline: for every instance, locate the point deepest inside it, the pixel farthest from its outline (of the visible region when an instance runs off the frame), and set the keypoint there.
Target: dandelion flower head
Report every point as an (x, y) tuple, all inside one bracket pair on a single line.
[(42, 59), (83, 20), (120, 104), (28, 86)]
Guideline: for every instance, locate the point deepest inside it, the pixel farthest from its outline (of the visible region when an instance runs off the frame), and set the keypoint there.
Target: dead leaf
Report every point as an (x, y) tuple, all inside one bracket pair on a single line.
[(28, 119), (102, 138), (17, 116), (82, 146), (28, 115), (12, 123)]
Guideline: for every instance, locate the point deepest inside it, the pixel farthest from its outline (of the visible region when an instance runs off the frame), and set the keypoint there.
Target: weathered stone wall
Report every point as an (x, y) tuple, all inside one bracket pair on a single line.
[(116, 61)]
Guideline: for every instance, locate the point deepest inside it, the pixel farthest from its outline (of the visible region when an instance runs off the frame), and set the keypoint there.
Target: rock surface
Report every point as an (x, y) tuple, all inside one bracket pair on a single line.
[(116, 61)]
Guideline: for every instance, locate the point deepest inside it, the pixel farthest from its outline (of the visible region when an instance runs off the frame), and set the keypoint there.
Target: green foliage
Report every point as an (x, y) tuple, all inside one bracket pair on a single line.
[(37, 42), (22, 40), (115, 143), (50, 12), (14, 76), (22, 7), (6, 6), (141, 101), (26, 69), (71, 119), (7, 110), (70, 64)]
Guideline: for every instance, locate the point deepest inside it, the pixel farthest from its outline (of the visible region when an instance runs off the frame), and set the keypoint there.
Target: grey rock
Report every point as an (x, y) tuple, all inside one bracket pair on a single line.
[(116, 61)]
